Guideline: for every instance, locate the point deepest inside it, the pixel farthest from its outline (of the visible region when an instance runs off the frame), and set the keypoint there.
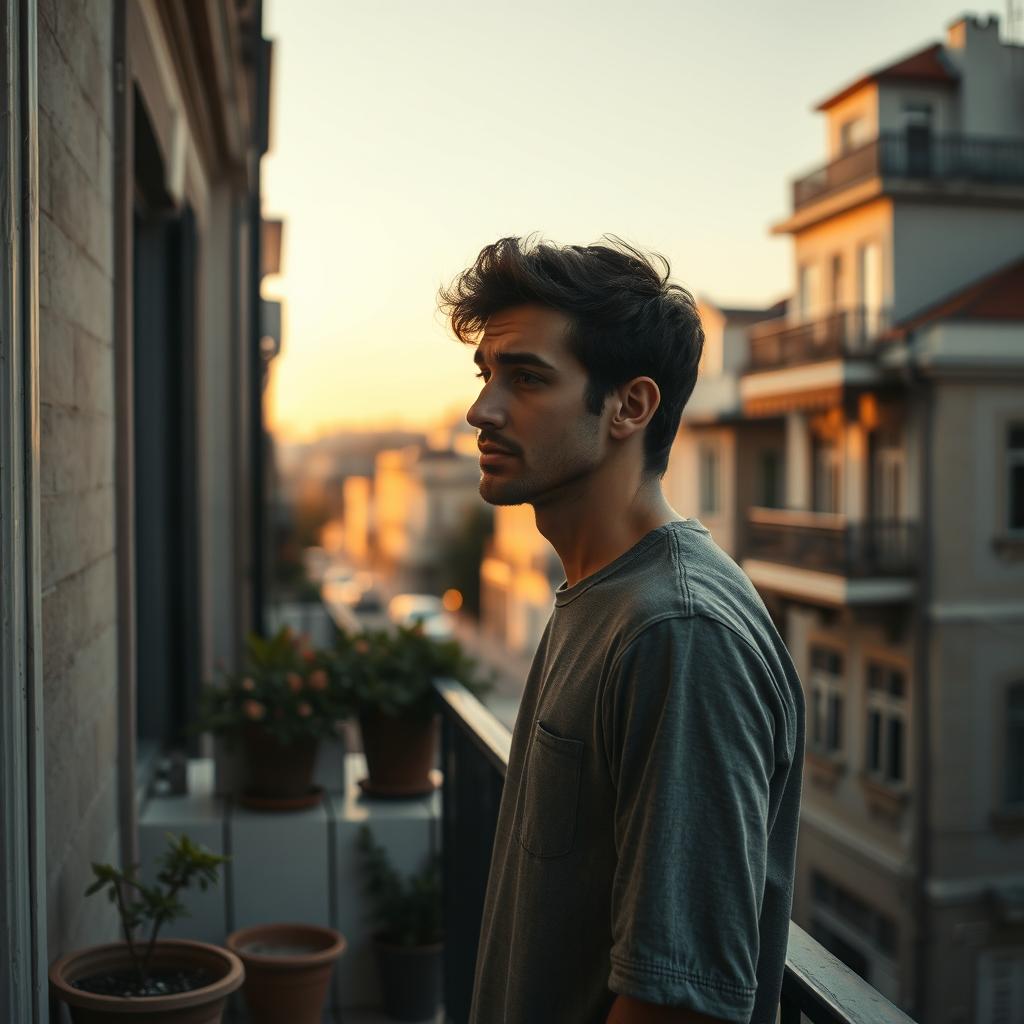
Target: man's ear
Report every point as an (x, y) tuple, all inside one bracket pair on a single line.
[(635, 402)]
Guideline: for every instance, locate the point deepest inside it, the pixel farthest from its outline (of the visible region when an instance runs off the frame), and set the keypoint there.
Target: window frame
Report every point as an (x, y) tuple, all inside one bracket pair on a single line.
[(828, 702), (889, 708), (708, 450), (1013, 458), (777, 458)]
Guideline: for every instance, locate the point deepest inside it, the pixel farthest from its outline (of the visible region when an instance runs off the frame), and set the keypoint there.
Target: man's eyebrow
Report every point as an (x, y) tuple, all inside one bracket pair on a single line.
[(516, 359)]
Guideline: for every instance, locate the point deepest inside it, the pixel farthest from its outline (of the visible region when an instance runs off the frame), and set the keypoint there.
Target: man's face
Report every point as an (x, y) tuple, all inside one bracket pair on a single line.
[(536, 437)]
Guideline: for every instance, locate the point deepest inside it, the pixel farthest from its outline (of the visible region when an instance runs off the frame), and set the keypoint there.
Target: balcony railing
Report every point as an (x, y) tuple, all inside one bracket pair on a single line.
[(843, 334), (917, 157), (816, 988), (827, 543)]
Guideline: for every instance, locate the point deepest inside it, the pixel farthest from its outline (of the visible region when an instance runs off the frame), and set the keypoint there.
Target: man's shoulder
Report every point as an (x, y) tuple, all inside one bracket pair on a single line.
[(686, 574)]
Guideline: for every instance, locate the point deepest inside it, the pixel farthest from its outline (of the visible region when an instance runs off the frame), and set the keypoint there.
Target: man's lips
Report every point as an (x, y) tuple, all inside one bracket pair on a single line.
[(491, 455)]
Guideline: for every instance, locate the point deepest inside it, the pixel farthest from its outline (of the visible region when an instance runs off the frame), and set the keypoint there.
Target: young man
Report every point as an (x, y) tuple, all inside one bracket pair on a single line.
[(643, 861)]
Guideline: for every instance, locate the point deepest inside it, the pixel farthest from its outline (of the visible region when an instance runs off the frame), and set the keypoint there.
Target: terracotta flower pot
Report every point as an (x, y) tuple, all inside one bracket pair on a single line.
[(410, 980), (287, 970), (200, 1006), (400, 752), (275, 771)]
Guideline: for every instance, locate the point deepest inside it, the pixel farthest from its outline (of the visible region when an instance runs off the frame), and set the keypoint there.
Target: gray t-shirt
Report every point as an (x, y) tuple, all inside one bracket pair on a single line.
[(647, 833)]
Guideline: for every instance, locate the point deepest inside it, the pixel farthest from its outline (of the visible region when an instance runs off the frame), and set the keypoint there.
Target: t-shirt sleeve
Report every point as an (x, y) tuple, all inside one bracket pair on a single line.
[(688, 715)]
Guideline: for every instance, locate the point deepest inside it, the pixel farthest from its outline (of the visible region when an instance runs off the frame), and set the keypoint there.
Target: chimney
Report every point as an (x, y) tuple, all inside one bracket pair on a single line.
[(971, 33)]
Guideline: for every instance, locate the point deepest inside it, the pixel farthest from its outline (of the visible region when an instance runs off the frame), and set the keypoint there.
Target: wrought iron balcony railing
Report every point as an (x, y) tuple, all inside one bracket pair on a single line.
[(910, 156), (816, 988), (827, 543), (843, 334)]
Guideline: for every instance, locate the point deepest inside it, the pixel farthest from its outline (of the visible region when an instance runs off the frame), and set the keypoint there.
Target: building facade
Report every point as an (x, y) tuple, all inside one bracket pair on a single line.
[(421, 495), (518, 577), (132, 434), (862, 458)]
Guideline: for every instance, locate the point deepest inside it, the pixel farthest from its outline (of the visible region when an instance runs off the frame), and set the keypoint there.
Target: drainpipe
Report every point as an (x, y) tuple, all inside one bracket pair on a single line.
[(22, 768), (921, 691), (256, 440)]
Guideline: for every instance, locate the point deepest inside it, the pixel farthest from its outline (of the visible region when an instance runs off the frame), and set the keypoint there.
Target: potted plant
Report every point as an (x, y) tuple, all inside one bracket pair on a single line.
[(143, 978), (407, 937), (278, 707), (287, 970), (387, 679)]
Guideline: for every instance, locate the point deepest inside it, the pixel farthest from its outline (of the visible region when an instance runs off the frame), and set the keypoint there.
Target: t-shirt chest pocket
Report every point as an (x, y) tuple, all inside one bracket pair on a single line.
[(550, 794)]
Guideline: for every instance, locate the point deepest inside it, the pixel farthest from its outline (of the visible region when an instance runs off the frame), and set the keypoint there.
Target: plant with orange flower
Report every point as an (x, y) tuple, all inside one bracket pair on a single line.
[(284, 686)]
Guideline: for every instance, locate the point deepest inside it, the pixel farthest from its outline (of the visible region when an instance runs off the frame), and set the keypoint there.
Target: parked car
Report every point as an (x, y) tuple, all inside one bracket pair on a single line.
[(336, 579), (360, 593), (423, 610)]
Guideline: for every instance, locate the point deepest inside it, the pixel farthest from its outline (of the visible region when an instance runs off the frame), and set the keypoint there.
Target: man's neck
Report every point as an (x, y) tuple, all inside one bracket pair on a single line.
[(591, 527)]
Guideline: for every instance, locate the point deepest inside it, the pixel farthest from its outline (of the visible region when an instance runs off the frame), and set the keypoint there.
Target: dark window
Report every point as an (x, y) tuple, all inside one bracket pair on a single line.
[(894, 759), (884, 753), (771, 479), (1015, 744), (874, 752), (877, 929), (827, 685), (165, 477), (1015, 476), (709, 481)]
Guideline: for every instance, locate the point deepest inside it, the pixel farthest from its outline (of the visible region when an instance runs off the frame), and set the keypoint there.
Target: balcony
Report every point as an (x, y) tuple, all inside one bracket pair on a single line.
[(843, 334), (816, 988), (820, 556), (972, 160)]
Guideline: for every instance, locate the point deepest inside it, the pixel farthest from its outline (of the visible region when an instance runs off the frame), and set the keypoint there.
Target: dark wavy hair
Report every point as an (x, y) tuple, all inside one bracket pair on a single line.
[(627, 319)]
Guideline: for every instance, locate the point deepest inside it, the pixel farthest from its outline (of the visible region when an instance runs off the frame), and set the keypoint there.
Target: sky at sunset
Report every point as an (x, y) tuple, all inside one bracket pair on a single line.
[(407, 134)]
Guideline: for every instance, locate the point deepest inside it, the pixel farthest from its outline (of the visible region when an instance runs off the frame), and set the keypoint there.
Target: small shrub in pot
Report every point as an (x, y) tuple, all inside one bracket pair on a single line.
[(407, 931), (279, 707), (387, 679), (144, 978)]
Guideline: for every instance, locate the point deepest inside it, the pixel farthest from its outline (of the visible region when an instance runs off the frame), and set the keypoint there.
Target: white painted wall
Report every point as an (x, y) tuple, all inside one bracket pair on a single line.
[(892, 97), (861, 105), (938, 250), (798, 461), (990, 78)]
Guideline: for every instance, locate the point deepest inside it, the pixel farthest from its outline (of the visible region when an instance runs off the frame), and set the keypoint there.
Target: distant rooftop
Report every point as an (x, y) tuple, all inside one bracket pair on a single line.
[(927, 65), (997, 296), (750, 315)]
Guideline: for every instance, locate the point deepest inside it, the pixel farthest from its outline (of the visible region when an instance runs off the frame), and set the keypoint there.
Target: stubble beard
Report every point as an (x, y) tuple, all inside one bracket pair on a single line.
[(563, 467)]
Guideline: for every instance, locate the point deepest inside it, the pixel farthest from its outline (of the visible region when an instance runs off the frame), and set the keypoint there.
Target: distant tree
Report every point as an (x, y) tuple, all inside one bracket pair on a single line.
[(461, 555), (311, 512)]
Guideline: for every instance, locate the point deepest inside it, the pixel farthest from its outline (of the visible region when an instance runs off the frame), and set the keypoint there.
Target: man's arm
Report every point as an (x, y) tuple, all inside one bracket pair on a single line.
[(689, 728), (627, 1010)]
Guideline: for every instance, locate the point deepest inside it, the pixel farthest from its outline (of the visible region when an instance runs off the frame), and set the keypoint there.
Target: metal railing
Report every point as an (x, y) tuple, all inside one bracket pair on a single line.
[(842, 334), (827, 543), (917, 156), (816, 987)]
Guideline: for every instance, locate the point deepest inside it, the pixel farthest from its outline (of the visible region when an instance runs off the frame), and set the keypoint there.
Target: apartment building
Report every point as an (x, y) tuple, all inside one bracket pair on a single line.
[(863, 457), (420, 495), (132, 357), (518, 577)]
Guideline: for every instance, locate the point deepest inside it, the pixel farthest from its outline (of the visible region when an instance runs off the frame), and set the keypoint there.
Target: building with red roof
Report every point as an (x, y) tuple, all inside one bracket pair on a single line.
[(861, 453)]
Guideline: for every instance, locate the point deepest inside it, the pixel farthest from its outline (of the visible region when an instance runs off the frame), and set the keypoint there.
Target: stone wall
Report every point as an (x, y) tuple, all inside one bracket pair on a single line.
[(77, 454)]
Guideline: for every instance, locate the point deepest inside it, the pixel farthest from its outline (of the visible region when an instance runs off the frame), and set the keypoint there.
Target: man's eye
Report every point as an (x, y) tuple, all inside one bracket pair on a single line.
[(527, 378), (482, 374)]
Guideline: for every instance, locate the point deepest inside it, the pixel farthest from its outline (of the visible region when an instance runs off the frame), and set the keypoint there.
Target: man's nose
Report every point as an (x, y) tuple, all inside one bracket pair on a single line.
[(486, 411)]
